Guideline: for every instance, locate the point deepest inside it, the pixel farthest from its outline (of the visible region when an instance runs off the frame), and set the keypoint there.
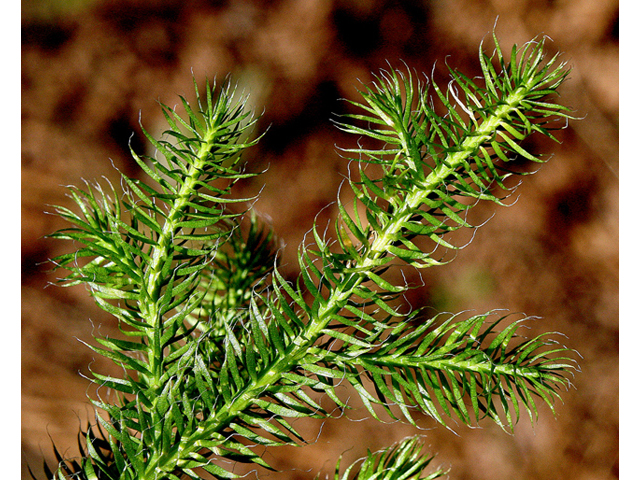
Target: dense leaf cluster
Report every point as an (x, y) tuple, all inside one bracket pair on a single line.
[(221, 352)]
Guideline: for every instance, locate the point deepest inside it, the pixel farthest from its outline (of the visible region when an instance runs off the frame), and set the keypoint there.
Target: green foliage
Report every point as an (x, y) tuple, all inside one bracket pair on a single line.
[(403, 461), (221, 352)]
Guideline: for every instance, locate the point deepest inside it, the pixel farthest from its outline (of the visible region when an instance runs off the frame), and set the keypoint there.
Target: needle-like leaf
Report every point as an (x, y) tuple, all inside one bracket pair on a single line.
[(222, 352)]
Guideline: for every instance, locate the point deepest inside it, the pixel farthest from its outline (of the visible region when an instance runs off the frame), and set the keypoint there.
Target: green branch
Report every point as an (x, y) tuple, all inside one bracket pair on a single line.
[(215, 360)]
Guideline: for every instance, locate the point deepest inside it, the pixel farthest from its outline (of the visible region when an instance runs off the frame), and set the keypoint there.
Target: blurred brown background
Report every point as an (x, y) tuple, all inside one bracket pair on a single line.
[(90, 67)]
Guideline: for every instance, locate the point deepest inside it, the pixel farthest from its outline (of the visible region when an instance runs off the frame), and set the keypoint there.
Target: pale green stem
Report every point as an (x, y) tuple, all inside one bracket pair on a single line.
[(486, 367), (338, 297), (150, 310), (163, 248)]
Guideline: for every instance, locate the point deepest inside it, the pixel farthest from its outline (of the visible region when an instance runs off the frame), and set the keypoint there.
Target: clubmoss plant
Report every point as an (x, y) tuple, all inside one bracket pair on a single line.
[(220, 352)]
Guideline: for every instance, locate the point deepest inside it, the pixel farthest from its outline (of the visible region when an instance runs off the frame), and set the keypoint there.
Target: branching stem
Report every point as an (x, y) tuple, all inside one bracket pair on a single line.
[(339, 296)]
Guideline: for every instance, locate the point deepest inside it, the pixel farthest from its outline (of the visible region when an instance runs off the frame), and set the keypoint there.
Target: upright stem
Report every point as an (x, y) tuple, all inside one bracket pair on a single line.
[(163, 250), (155, 280)]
